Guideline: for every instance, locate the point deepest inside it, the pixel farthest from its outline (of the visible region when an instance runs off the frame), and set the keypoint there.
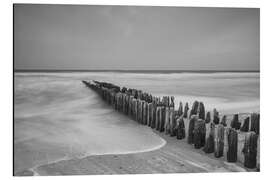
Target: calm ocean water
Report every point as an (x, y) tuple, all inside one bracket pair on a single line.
[(57, 117)]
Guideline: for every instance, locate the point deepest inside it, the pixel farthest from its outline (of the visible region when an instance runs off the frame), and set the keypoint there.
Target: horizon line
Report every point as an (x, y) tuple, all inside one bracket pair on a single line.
[(126, 70)]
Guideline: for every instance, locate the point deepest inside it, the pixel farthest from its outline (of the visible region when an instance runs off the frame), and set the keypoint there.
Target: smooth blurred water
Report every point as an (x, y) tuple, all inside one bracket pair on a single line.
[(57, 117)]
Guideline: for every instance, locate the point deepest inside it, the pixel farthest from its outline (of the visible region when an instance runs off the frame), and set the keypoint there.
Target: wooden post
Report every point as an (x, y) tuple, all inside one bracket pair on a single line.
[(134, 108), (208, 118), (140, 111), (209, 145), (148, 114), (162, 118), (199, 133), (250, 150), (194, 108), (130, 106), (157, 118), (255, 123), (192, 120), (180, 132), (224, 121), (123, 102), (127, 104), (232, 145), (245, 125), (119, 101), (219, 141), (115, 101), (235, 122), (151, 114), (153, 123), (180, 109), (137, 110), (216, 116), (145, 112), (172, 122), (167, 120), (186, 110), (201, 111)]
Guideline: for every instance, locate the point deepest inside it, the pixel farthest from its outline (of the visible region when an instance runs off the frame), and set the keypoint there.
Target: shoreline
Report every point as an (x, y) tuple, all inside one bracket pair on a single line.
[(175, 157)]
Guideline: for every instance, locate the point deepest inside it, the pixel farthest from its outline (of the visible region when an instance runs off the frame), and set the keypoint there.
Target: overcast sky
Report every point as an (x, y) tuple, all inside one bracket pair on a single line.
[(122, 37)]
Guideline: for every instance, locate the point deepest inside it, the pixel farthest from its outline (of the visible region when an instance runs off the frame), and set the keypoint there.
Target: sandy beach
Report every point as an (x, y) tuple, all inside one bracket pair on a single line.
[(175, 157)]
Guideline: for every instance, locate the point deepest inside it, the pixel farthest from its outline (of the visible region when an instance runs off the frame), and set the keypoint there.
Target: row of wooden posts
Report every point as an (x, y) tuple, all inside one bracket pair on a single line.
[(160, 114)]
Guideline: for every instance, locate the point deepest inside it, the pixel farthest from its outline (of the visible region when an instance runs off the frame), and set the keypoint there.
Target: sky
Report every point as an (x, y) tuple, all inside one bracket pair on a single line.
[(135, 38)]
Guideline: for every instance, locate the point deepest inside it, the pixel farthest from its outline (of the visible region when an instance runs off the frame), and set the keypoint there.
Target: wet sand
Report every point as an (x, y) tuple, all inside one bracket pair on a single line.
[(175, 157)]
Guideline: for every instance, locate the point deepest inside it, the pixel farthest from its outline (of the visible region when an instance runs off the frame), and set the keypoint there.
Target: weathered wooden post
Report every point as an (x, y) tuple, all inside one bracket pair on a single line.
[(216, 116), (145, 111), (172, 122), (199, 133), (201, 111), (250, 150), (125, 104), (209, 145), (115, 99), (186, 110), (153, 123), (255, 123), (245, 125), (232, 145), (137, 109), (118, 101), (130, 106), (235, 122), (194, 108), (157, 118), (162, 118), (141, 112), (149, 109), (172, 102), (208, 118), (219, 141), (180, 109), (192, 120), (134, 108), (224, 121), (180, 132), (167, 120), (121, 102)]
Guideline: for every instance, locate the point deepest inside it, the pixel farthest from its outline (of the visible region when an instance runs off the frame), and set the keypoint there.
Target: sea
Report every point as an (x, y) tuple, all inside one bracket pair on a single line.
[(57, 118)]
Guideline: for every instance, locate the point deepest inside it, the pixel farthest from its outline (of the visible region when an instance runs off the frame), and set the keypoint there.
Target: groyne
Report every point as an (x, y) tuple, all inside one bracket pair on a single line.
[(203, 130)]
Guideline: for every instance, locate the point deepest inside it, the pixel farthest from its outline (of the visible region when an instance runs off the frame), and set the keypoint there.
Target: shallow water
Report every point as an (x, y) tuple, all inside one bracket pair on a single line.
[(57, 117)]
